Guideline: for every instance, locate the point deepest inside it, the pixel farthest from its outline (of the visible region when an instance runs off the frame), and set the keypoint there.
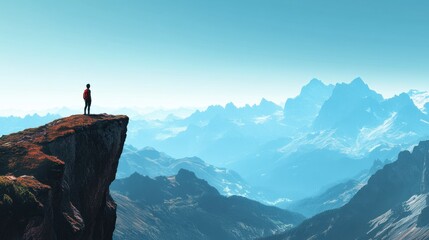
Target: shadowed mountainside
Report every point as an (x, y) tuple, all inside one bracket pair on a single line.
[(393, 205), (185, 207), (149, 162)]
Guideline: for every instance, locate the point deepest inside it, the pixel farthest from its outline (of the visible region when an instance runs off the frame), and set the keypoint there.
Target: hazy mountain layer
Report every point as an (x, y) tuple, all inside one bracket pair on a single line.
[(14, 124), (326, 135), (150, 162), (333, 197)]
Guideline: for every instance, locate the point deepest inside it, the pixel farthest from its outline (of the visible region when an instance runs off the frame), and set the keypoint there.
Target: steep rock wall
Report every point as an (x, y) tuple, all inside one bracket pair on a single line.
[(54, 180)]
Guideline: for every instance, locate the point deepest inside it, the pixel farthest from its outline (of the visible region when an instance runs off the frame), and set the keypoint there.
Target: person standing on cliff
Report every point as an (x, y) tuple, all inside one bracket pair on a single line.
[(87, 98)]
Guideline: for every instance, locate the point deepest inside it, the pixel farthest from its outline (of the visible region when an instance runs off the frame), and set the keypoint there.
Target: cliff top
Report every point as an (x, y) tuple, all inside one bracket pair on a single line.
[(25, 153)]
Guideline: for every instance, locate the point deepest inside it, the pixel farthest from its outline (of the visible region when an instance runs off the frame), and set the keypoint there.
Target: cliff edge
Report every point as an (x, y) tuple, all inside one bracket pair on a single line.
[(54, 179)]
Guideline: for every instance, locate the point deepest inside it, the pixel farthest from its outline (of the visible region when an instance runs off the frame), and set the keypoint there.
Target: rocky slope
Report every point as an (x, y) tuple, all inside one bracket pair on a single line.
[(185, 207), (393, 205), (54, 180)]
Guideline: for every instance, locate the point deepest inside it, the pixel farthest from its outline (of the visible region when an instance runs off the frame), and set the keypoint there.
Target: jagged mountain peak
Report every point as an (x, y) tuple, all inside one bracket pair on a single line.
[(355, 89), (315, 86), (191, 184), (400, 101), (358, 81), (230, 106), (265, 102), (300, 112), (186, 175), (135, 175), (150, 153), (350, 107), (315, 83)]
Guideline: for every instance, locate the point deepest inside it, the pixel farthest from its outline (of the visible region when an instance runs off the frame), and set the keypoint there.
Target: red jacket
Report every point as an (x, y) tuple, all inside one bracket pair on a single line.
[(87, 95)]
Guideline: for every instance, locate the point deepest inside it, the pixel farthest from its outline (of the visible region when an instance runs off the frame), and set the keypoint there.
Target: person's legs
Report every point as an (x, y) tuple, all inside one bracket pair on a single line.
[(89, 107), (86, 106)]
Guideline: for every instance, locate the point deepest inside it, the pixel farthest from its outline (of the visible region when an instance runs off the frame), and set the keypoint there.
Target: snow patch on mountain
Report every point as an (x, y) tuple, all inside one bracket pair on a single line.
[(278, 201), (262, 119), (170, 132), (424, 121), (390, 224), (420, 98)]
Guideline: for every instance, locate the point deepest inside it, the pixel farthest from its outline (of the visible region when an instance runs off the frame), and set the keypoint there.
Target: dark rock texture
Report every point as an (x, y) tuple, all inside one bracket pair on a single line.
[(54, 180)]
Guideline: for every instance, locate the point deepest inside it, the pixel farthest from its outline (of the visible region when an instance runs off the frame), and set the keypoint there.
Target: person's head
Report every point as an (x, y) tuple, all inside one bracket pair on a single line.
[(88, 86)]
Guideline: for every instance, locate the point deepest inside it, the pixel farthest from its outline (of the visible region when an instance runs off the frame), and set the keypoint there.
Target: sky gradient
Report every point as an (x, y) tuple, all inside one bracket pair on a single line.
[(196, 53)]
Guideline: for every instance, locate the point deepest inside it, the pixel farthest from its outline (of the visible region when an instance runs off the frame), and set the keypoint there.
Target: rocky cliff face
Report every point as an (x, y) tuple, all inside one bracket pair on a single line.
[(54, 180)]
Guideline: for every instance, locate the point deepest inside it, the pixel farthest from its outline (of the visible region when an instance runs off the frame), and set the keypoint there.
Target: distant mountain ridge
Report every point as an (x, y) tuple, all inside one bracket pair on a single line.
[(13, 124), (149, 162), (355, 122), (185, 207), (235, 130), (393, 205), (269, 145)]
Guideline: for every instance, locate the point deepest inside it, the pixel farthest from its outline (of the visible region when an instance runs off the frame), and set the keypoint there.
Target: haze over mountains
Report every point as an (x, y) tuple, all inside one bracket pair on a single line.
[(326, 135), (314, 154), (149, 162), (13, 124)]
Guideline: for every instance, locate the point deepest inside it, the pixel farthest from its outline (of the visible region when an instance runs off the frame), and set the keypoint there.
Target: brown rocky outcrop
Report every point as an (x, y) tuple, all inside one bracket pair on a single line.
[(54, 180)]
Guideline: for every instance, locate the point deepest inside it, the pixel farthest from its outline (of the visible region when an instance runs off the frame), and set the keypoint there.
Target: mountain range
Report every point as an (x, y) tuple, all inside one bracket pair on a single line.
[(185, 207), (393, 205), (326, 135), (314, 156), (152, 163), (13, 124)]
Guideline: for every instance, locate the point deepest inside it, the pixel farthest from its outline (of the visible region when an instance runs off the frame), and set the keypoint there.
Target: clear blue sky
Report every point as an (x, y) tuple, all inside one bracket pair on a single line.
[(198, 52)]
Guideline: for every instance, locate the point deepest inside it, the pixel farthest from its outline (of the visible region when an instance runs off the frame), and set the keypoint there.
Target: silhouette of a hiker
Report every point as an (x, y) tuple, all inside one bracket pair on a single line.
[(87, 98)]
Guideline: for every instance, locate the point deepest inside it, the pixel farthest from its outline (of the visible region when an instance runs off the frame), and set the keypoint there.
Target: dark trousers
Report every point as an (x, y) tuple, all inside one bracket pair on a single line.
[(87, 105)]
